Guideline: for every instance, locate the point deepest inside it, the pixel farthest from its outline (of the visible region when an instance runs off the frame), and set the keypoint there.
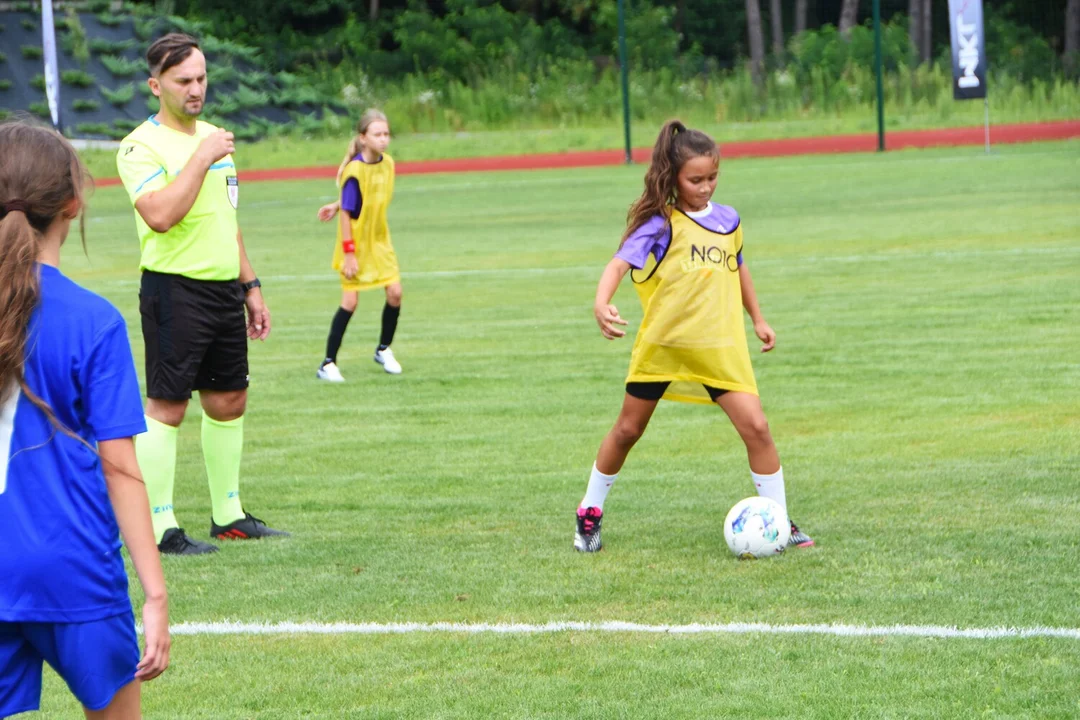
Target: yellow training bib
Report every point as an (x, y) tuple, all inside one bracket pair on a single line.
[(692, 332), (375, 255)]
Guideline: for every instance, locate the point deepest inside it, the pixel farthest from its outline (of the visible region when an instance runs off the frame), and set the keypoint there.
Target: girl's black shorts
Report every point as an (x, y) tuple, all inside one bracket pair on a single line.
[(656, 390)]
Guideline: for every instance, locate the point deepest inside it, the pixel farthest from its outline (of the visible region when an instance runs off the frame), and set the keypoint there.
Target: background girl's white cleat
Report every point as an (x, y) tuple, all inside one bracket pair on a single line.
[(330, 373), (388, 361)]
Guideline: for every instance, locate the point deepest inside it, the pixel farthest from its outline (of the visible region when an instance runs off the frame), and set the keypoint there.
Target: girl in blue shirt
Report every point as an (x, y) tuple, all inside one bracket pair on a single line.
[(70, 486)]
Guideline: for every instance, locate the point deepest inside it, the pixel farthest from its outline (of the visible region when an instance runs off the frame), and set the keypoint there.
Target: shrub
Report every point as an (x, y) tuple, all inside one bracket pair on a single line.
[(1017, 49), (119, 97), (248, 99), (101, 46), (108, 19), (31, 52), (100, 129), (38, 82), (5, 84), (255, 78), (77, 78), (75, 41), (122, 67), (224, 104), (195, 28), (3, 58), (28, 24), (82, 105), (290, 97), (40, 109), (216, 46), (146, 27), (247, 133), (220, 74)]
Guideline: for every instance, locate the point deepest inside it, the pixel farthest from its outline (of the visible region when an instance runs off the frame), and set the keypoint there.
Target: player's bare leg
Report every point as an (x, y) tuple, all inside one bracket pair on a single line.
[(748, 417), (628, 429)]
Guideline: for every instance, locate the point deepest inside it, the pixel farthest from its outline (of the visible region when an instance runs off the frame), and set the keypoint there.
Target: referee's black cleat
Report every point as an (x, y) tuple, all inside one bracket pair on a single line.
[(248, 527), (176, 542)]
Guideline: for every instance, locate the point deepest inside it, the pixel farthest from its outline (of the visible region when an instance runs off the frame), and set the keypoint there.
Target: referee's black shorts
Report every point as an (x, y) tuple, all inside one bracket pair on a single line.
[(195, 334)]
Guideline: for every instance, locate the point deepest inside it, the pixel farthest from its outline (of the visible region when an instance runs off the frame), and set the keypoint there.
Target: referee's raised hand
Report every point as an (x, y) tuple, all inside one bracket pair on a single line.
[(217, 145)]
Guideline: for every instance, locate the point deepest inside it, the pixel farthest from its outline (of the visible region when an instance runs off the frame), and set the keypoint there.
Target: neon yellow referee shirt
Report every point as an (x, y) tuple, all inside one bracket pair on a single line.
[(202, 246)]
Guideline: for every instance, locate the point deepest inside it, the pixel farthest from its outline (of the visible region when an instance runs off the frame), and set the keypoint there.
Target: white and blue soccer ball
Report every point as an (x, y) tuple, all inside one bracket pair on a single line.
[(757, 527)]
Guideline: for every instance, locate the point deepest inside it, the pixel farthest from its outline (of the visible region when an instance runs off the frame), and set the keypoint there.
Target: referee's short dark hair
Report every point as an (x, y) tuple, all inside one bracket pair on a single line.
[(168, 51)]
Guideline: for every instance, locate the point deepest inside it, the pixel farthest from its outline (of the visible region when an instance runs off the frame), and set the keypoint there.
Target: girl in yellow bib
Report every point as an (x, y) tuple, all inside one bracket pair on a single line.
[(363, 254), (684, 253)]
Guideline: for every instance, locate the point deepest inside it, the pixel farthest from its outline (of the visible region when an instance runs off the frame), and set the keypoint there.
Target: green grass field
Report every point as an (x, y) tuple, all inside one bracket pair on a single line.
[(924, 395)]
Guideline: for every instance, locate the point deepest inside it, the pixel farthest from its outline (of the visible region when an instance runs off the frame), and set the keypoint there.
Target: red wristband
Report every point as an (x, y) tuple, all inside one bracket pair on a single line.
[(349, 246)]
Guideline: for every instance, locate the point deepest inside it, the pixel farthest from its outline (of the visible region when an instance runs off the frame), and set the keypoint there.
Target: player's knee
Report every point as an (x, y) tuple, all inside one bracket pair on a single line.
[(348, 302), (225, 407), (756, 432), (235, 407), (393, 295), (628, 431), (168, 412)]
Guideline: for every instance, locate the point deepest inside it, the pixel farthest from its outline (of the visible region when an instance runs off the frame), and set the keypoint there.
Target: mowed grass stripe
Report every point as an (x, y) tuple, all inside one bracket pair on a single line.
[(918, 631)]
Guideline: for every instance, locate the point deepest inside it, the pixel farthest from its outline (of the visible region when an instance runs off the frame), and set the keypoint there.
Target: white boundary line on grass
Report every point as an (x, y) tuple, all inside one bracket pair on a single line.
[(918, 631)]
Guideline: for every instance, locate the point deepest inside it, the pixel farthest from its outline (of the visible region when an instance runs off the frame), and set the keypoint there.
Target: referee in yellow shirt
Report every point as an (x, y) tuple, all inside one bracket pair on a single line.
[(196, 282)]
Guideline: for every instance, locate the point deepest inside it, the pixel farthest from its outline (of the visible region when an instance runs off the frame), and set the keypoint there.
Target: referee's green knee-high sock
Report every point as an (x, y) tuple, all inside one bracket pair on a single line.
[(222, 446), (155, 450)]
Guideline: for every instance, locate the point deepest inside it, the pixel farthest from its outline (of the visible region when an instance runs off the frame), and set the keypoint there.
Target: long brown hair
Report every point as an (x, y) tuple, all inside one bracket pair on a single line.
[(357, 143), (675, 145), (40, 176)]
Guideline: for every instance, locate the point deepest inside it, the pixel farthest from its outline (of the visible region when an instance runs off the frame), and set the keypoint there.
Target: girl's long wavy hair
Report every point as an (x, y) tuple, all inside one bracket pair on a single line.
[(675, 145), (357, 143), (40, 174)]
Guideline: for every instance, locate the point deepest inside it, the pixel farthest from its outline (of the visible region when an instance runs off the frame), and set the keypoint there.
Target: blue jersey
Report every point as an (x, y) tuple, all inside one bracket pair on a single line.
[(60, 555)]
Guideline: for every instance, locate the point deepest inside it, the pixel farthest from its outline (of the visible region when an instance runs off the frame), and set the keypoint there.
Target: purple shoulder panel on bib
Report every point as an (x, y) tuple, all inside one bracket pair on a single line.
[(351, 200), (653, 237)]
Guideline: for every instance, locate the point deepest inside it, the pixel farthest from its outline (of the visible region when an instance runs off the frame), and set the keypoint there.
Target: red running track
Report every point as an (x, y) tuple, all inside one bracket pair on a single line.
[(895, 140)]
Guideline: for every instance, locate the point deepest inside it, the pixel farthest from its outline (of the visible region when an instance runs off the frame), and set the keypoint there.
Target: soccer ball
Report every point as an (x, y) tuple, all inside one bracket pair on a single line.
[(757, 527)]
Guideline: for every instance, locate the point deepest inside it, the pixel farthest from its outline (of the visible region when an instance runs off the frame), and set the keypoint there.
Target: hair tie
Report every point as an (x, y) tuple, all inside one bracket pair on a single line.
[(15, 206)]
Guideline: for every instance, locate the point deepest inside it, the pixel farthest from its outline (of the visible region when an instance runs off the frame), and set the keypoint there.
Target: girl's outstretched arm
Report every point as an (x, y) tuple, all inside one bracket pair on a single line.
[(749, 301), (607, 315), (327, 212), (132, 508)]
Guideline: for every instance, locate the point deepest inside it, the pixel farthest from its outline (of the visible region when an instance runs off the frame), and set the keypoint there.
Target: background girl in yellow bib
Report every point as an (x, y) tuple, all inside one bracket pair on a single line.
[(684, 254), (363, 253)]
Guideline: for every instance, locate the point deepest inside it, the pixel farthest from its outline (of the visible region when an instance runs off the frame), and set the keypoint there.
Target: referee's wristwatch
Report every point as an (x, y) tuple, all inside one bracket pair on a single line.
[(249, 286)]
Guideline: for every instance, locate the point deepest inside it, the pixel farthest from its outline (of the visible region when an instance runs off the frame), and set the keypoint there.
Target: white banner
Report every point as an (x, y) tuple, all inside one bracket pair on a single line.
[(52, 71)]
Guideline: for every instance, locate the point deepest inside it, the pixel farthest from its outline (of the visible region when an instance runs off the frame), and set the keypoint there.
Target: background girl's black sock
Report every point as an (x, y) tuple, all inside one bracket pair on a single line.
[(389, 325), (337, 333)]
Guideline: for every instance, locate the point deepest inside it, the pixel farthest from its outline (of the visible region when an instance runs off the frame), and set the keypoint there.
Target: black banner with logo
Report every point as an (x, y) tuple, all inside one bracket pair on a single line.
[(968, 49)]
